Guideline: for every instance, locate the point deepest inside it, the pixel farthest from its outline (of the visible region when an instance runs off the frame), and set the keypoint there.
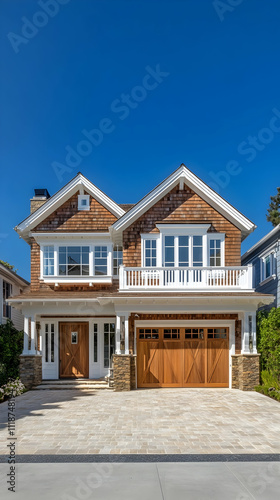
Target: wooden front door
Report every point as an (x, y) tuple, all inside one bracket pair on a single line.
[(74, 350), (182, 357)]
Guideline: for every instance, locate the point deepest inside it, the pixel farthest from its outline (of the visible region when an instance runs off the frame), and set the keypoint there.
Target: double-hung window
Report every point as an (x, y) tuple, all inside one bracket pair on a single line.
[(117, 259), (100, 260), (48, 260), (267, 266), (215, 252), (73, 261), (150, 253)]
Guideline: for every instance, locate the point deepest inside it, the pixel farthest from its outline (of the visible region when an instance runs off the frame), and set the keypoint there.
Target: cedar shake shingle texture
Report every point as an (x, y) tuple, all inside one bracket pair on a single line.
[(69, 219), (179, 207)]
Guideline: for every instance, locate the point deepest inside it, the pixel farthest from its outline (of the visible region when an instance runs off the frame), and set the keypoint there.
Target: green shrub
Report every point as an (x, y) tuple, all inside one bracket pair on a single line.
[(11, 345), (270, 385), (268, 330)]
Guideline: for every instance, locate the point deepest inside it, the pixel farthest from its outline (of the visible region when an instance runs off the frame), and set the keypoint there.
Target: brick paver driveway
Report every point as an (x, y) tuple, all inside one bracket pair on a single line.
[(155, 421)]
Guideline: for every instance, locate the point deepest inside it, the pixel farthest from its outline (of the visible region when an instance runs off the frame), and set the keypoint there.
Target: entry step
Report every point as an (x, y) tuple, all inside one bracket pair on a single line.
[(80, 384)]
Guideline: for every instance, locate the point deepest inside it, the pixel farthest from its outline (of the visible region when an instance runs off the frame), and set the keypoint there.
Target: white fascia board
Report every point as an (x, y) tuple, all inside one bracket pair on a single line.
[(199, 187), (63, 195), (47, 237), (262, 241)]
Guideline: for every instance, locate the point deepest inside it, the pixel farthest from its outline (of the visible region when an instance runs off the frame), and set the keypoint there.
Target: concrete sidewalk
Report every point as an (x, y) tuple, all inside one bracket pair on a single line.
[(145, 481)]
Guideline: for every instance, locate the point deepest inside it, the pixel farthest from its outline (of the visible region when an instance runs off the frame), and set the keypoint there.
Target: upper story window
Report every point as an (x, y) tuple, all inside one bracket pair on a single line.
[(48, 260), (150, 252), (77, 261), (100, 260), (215, 252), (7, 291), (183, 245), (183, 251), (74, 261), (117, 259), (267, 266)]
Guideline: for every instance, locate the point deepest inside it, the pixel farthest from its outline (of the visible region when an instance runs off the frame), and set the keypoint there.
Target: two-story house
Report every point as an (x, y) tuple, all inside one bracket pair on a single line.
[(10, 284), (157, 285), (264, 256)]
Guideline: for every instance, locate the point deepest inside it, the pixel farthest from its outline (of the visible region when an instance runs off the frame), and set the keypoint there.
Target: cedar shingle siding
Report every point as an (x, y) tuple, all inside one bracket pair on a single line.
[(180, 206), (67, 218)]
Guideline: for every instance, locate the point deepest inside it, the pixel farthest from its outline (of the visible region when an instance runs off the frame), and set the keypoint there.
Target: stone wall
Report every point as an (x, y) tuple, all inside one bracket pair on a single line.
[(31, 370), (245, 371), (234, 372), (124, 372)]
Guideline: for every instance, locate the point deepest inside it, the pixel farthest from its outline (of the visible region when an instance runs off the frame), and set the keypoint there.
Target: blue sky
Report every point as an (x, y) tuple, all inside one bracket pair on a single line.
[(84, 65)]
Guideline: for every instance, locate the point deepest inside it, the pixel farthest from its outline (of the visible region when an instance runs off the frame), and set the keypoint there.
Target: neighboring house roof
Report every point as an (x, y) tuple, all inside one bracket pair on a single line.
[(275, 232), (183, 174), (78, 182), (12, 276)]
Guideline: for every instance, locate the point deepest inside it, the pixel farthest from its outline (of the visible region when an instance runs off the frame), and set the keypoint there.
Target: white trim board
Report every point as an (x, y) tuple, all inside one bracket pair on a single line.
[(199, 187)]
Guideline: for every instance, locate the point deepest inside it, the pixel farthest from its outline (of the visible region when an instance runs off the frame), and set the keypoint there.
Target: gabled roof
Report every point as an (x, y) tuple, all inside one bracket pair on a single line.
[(263, 240), (183, 174), (14, 277), (55, 201)]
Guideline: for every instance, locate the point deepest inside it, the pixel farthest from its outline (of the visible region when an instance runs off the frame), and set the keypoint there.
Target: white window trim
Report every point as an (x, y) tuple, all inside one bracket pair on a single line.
[(77, 279), (150, 236), (116, 276), (272, 254), (216, 236), (82, 197)]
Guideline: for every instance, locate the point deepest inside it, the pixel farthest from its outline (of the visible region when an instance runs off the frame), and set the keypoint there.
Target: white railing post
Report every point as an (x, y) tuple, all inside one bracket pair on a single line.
[(121, 276), (249, 276)]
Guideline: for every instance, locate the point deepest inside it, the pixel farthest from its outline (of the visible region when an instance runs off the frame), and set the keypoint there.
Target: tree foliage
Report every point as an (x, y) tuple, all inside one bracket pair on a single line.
[(273, 214), (11, 345), (269, 340)]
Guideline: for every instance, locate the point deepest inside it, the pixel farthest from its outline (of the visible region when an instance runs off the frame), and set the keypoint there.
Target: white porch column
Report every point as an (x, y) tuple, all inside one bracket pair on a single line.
[(245, 334), (33, 332), (118, 335), (254, 332), (126, 335), (26, 335)]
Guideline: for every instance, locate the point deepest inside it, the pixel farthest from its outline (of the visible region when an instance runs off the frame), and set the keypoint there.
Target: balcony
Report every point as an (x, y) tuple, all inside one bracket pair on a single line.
[(185, 278)]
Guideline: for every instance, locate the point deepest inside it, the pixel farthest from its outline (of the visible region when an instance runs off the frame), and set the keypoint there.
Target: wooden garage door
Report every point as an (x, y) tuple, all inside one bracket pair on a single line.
[(74, 350), (182, 357)]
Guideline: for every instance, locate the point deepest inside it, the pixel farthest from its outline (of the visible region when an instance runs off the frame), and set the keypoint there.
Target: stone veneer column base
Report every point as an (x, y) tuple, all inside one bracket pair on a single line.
[(245, 371), (30, 370), (124, 372)]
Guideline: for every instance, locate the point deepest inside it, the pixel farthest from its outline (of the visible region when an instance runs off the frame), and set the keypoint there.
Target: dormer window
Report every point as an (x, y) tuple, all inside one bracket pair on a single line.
[(83, 202)]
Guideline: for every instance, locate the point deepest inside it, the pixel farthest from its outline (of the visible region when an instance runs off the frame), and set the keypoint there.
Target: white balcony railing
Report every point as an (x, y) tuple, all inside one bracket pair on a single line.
[(186, 278)]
